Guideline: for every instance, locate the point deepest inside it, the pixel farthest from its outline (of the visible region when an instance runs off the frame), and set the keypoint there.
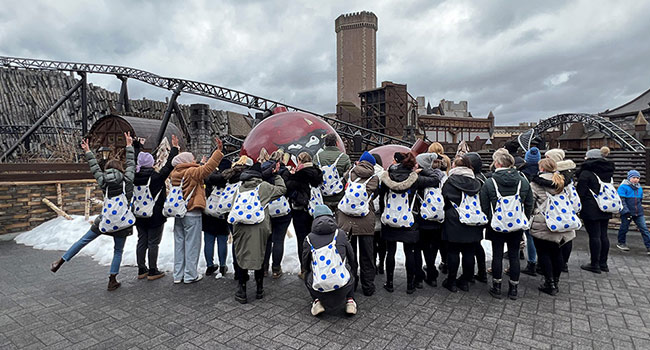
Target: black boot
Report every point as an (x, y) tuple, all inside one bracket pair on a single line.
[(530, 269), (495, 291), (380, 267), (259, 294), (443, 268), (512, 291), (211, 269), (590, 268), (56, 265), (410, 285), (548, 287), (481, 277), (432, 276), (450, 285), (113, 284), (389, 282), (556, 281), (240, 296)]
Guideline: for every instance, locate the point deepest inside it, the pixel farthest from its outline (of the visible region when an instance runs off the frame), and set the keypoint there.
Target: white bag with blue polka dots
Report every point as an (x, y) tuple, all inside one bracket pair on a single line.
[(175, 204), (559, 214), (574, 199), (315, 198), (432, 205), (143, 202), (469, 211), (355, 201), (508, 215), (115, 213), (332, 183), (607, 198), (247, 208), (279, 207), (221, 200), (398, 212), (328, 269)]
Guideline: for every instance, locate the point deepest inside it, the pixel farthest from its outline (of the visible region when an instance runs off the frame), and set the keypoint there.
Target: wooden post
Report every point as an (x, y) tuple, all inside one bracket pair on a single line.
[(56, 209), (59, 196), (87, 206)]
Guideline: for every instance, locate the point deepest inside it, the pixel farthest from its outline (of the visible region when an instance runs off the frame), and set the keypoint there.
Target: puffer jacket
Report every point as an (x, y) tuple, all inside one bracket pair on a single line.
[(507, 180), (529, 170), (426, 178), (452, 229), (631, 196), (327, 157), (113, 182), (360, 225), (194, 175), (399, 179), (541, 186), (157, 188), (587, 183), (299, 185)]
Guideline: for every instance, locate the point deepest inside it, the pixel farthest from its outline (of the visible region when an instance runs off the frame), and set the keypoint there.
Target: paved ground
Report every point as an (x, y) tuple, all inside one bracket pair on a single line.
[(73, 310)]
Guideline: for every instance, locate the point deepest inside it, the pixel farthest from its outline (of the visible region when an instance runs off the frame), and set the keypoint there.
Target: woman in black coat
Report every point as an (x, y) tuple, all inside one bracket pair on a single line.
[(595, 220), (460, 238), (216, 228), (399, 179)]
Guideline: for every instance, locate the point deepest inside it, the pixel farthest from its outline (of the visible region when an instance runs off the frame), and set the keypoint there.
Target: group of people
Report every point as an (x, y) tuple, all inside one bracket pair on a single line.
[(348, 217)]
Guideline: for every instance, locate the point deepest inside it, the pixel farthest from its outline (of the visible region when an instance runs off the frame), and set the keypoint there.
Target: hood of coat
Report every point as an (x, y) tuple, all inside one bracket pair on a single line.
[(567, 164), (598, 166), (250, 174), (363, 170), (544, 180), (182, 168), (466, 184), (113, 177), (324, 225), (507, 177), (232, 175), (434, 173), (251, 182), (398, 178)]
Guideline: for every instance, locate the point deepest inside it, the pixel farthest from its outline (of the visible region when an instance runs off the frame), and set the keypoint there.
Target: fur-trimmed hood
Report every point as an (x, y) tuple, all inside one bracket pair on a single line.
[(399, 186)]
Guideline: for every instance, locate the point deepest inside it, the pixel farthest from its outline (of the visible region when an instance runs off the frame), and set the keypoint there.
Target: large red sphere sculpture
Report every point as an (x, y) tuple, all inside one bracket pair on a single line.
[(293, 132), (386, 152)]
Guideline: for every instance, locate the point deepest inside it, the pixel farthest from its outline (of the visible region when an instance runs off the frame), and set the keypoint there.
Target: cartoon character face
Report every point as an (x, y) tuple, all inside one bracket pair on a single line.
[(311, 143)]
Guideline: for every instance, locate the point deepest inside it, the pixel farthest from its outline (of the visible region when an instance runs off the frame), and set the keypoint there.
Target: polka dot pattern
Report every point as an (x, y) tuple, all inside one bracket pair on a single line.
[(332, 183), (469, 211), (221, 200), (115, 215), (398, 211), (329, 272), (355, 198), (608, 199), (251, 211), (176, 204), (508, 213), (279, 207)]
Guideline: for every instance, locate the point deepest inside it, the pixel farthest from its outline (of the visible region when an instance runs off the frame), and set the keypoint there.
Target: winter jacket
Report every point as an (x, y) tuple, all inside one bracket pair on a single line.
[(115, 183), (507, 180), (299, 185), (631, 196), (542, 185), (360, 225), (399, 179), (452, 229), (250, 240), (426, 178), (327, 157), (529, 170), (194, 175), (587, 182), (157, 188)]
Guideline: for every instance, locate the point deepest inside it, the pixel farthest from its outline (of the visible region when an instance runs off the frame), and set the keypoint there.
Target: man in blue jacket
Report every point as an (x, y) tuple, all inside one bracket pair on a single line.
[(631, 194)]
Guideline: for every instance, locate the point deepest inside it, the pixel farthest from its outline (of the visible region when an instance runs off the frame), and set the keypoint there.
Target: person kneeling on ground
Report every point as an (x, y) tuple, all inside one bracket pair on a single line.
[(328, 258)]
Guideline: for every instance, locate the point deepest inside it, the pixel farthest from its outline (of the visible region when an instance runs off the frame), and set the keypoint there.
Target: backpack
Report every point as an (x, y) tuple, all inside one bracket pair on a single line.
[(469, 211), (574, 199), (315, 198), (247, 208), (508, 215), (329, 271), (559, 213), (332, 183), (143, 203), (608, 199), (398, 212), (115, 213), (432, 205), (279, 207), (220, 200), (175, 204), (355, 201)]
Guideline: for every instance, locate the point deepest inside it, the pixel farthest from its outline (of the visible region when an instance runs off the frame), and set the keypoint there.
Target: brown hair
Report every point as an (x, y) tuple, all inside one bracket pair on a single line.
[(550, 166), (114, 164), (304, 157), (463, 161), (409, 159), (331, 140)]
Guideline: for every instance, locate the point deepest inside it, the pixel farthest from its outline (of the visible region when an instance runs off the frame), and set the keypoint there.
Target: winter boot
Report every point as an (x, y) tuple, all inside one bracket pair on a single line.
[(548, 287), (240, 296), (462, 284), (410, 285), (495, 291), (223, 269), (155, 274), (389, 282), (380, 267), (512, 290), (432, 276), (259, 293), (443, 268), (450, 285), (142, 273), (530, 269), (590, 268), (56, 265), (210, 270), (113, 284), (556, 281)]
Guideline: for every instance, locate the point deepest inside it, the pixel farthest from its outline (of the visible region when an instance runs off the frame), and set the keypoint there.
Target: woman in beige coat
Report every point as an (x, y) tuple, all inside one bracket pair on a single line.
[(548, 243)]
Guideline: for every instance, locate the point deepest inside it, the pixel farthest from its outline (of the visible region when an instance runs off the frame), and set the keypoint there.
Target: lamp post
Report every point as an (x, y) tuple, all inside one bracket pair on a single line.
[(105, 151)]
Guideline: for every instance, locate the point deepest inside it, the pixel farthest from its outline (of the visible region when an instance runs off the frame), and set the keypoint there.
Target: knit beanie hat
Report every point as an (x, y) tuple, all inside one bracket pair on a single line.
[(144, 160), (593, 154), (426, 159), (399, 157), (556, 154), (633, 173), (368, 158), (321, 210), (533, 156), (183, 157)]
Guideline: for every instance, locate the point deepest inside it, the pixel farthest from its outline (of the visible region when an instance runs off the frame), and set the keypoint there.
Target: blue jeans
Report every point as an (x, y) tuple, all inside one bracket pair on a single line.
[(530, 247), (640, 223), (90, 236), (187, 247), (208, 248)]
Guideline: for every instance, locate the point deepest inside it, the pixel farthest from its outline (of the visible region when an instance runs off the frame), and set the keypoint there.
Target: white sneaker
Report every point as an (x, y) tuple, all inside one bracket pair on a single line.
[(198, 278), (351, 307), (623, 247), (317, 308), (178, 281)]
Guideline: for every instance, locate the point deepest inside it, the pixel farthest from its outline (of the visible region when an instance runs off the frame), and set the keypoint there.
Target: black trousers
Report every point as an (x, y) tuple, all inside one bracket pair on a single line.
[(444, 251), (409, 254), (598, 241), (453, 261), (512, 240), (479, 253), (365, 261), (566, 251), (302, 225), (243, 274), (429, 245), (148, 239), (275, 243), (379, 247), (549, 257)]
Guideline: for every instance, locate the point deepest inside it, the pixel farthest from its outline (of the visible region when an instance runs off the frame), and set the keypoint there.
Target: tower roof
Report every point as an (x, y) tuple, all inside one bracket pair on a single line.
[(640, 119)]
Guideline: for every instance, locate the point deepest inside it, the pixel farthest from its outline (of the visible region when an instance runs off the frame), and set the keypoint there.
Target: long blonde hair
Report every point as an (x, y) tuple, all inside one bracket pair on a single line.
[(550, 166), (437, 148)]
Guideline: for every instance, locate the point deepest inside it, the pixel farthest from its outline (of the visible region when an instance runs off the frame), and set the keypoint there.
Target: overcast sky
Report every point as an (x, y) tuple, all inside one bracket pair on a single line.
[(524, 60)]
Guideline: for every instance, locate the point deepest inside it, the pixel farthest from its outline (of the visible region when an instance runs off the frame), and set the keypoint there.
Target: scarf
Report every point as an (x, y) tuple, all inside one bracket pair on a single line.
[(462, 171)]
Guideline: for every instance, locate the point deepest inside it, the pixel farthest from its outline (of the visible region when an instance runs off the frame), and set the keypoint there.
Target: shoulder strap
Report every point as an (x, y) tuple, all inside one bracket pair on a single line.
[(149, 181), (310, 245), (518, 187), (337, 159), (318, 158), (496, 188), (412, 201)]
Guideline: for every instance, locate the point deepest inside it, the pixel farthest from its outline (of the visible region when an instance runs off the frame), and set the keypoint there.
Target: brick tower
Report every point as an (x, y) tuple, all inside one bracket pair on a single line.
[(199, 128), (356, 55)]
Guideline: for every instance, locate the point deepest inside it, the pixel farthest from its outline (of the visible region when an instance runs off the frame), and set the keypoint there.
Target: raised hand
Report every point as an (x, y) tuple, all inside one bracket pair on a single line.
[(84, 145), (174, 141), (277, 168), (219, 144), (203, 160), (128, 138)]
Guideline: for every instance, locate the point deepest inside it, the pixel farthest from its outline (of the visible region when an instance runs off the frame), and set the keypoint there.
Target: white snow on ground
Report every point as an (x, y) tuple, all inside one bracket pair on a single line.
[(60, 234)]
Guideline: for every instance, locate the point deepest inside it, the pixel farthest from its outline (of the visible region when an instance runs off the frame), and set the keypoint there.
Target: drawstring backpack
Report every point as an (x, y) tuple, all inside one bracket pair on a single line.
[(315, 198), (279, 207), (175, 203), (247, 208), (574, 199), (355, 201), (508, 215), (115, 213), (469, 211), (398, 212), (220, 200), (607, 199), (329, 271), (432, 205), (143, 203), (559, 213), (332, 183)]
